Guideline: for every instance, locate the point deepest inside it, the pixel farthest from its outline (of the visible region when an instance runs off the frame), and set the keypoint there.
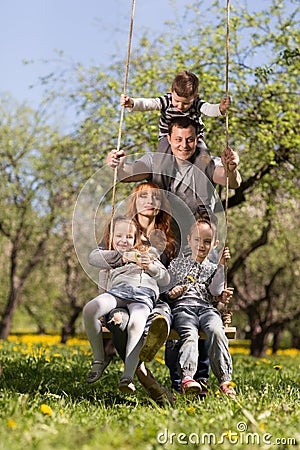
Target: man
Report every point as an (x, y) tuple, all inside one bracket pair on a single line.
[(183, 170), (189, 177)]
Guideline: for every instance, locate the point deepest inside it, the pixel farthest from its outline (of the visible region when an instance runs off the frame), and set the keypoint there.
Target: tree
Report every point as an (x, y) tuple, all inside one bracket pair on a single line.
[(30, 197)]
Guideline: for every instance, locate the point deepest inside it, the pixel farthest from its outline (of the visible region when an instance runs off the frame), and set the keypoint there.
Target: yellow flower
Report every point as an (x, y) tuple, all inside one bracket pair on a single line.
[(46, 410), (217, 393), (160, 360), (277, 367), (11, 423), (229, 435), (191, 409)]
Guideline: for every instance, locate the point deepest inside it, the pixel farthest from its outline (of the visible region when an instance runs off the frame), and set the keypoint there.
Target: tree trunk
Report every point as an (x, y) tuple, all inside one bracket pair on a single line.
[(276, 341), (69, 328), (259, 343), (13, 301)]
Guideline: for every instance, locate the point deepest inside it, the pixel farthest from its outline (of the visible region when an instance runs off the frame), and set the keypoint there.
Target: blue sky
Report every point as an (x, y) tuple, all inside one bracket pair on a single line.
[(87, 31)]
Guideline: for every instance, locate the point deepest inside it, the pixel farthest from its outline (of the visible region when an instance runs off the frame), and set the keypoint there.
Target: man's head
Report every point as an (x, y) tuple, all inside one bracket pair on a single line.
[(184, 90), (183, 138)]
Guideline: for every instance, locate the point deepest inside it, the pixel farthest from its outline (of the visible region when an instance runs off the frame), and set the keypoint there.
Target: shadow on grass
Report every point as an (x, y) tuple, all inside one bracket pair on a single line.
[(37, 376)]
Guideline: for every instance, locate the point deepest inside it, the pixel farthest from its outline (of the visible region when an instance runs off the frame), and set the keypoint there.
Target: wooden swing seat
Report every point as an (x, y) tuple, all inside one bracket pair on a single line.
[(229, 331)]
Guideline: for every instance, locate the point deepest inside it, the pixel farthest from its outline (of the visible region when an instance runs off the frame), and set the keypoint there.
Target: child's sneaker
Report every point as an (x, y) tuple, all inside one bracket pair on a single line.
[(96, 371), (228, 389), (126, 386), (156, 337), (190, 386), (204, 387)]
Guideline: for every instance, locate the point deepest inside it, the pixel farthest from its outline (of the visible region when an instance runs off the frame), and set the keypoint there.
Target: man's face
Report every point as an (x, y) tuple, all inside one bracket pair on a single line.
[(183, 142)]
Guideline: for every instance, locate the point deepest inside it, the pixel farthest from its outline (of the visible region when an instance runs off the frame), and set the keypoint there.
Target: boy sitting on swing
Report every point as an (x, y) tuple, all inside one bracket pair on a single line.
[(195, 280)]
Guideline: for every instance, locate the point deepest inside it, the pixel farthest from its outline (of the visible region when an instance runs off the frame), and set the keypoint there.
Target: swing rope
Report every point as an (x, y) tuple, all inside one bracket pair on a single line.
[(226, 313), (121, 123)]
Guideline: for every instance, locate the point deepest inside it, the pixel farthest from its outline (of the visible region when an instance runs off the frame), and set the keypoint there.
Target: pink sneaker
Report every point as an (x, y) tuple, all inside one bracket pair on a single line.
[(227, 389), (190, 386)]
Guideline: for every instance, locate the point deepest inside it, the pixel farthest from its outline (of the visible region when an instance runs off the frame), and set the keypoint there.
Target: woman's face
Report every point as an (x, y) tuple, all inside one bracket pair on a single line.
[(123, 236), (148, 202)]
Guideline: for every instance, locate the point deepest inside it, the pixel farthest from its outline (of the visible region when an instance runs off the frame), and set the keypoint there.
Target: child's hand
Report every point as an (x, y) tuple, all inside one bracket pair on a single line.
[(176, 291), (125, 101), (130, 256), (225, 255), (144, 260), (225, 105), (115, 158), (226, 295)]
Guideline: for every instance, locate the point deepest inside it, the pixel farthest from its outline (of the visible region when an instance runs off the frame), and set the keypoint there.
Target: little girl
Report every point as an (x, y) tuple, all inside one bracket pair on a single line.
[(133, 283)]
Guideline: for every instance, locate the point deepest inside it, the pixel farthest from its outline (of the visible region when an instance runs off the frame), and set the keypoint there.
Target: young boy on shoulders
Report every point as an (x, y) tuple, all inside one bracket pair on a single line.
[(182, 101)]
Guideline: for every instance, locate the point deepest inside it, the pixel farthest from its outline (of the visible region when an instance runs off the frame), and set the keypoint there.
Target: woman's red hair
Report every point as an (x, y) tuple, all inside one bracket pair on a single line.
[(163, 218)]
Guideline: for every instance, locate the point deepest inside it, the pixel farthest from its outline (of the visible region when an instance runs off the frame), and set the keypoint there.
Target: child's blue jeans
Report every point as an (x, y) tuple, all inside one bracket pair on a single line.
[(187, 320)]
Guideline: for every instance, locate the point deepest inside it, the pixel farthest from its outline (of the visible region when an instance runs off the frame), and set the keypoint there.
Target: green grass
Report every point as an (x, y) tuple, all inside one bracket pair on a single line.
[(46, 404)]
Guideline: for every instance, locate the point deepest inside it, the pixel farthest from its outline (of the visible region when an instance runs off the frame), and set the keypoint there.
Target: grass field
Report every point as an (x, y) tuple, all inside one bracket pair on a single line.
[(45, 403)]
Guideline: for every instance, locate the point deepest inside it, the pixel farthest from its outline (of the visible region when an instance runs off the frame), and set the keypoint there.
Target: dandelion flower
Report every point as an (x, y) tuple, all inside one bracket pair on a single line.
[(190, 278), (277, 367), (46, 410), (11, 423), (191, 409)]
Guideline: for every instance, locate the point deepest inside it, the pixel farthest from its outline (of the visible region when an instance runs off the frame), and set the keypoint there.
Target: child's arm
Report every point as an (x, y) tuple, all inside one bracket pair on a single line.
[(216, 286), (159, 272), (105, 259), (216, 109), (140, 104)]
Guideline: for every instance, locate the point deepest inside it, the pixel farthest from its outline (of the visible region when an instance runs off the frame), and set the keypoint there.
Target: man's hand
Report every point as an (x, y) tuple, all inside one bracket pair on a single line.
[(115, 158), (230, 159)]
